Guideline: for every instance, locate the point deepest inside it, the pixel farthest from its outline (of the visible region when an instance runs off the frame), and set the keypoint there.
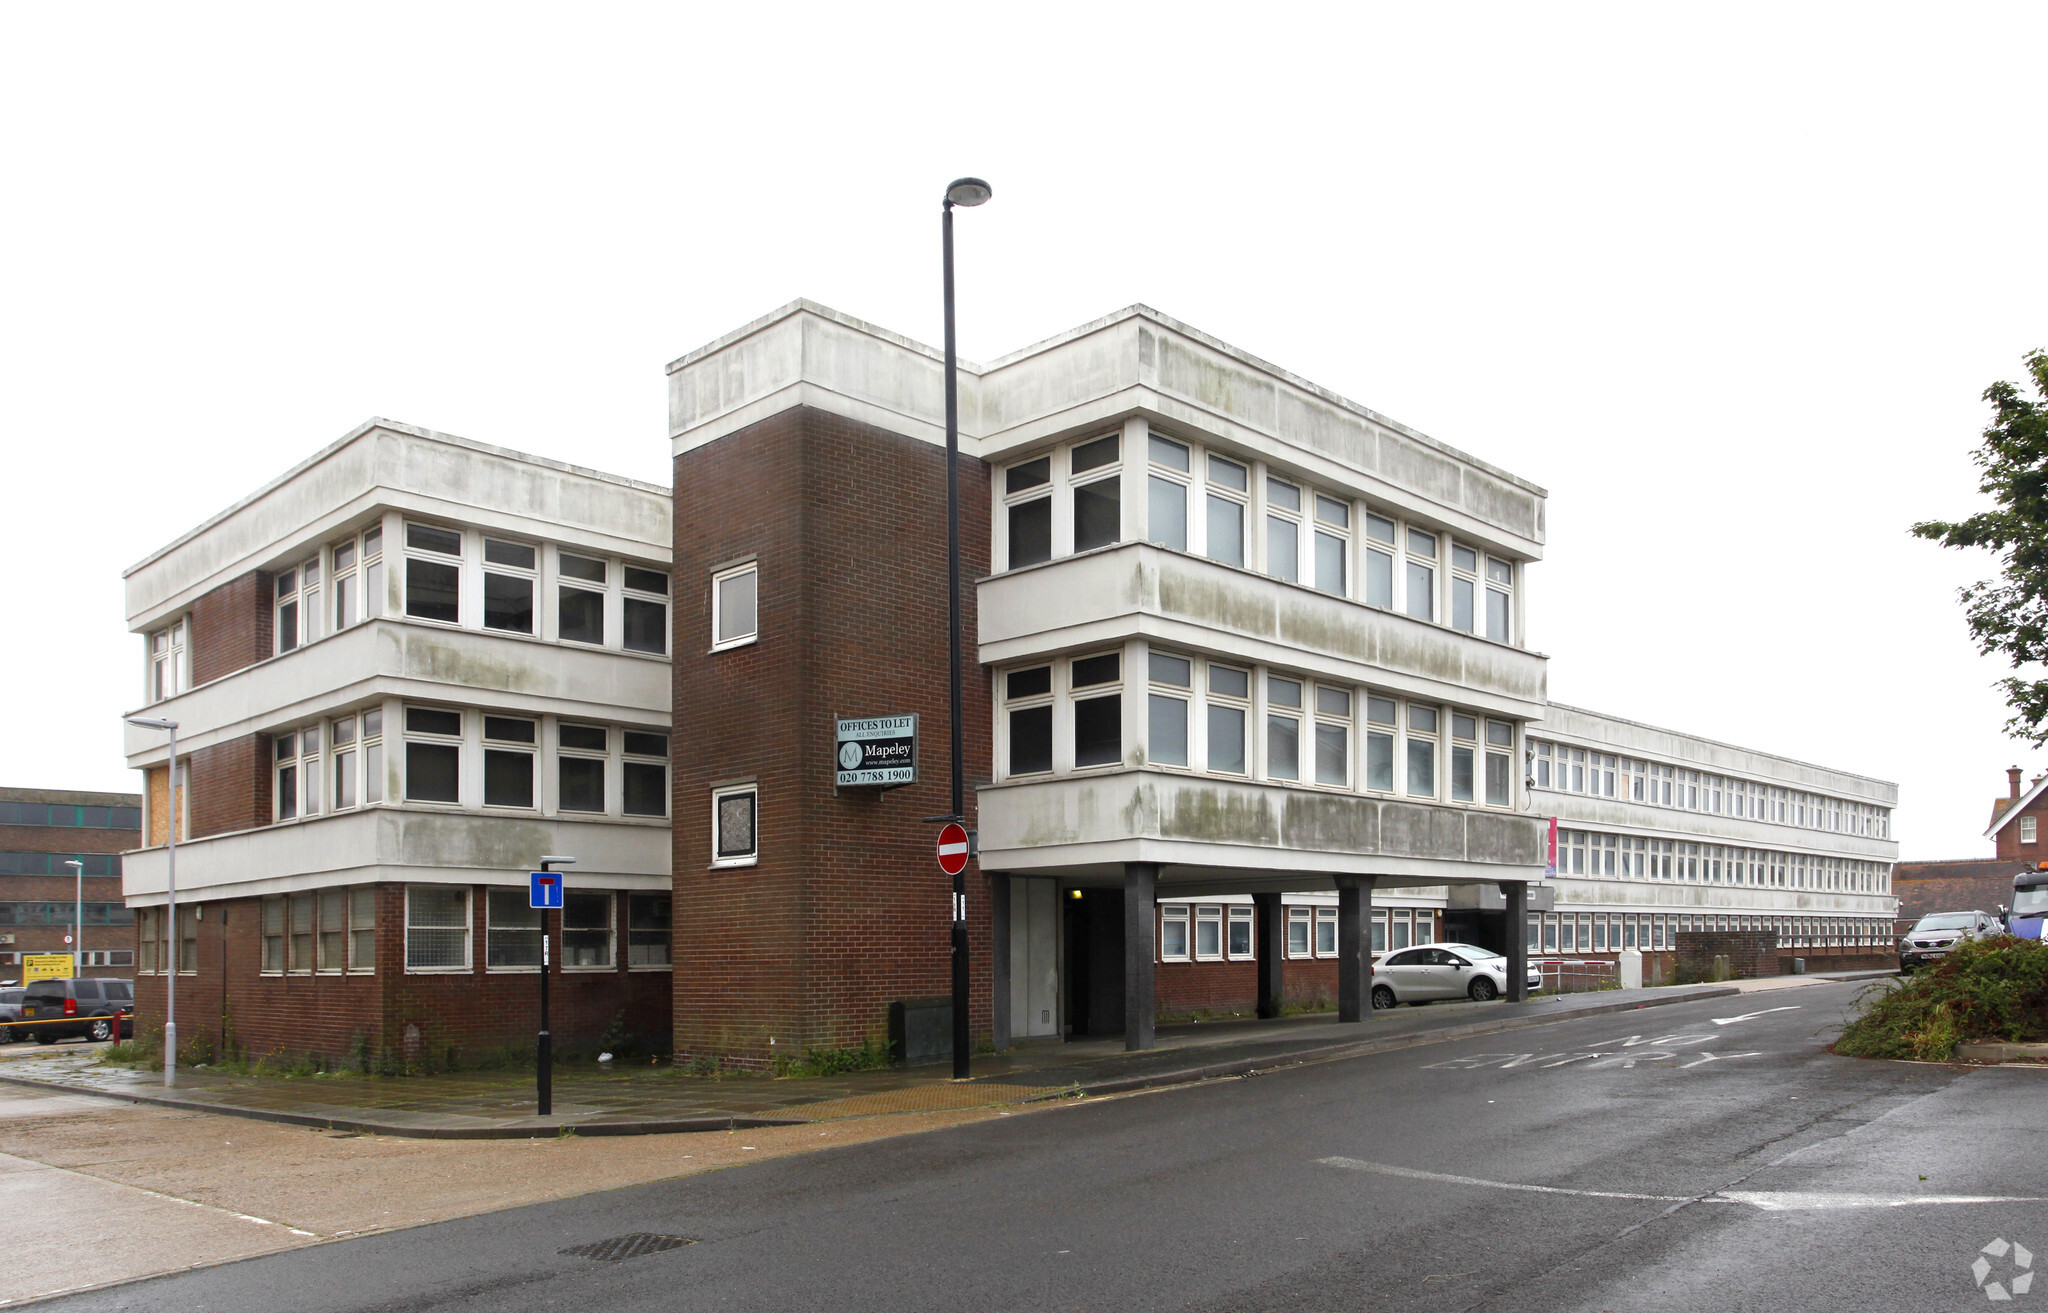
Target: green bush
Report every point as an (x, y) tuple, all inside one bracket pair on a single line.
[(831, 1062), (1985, 989)]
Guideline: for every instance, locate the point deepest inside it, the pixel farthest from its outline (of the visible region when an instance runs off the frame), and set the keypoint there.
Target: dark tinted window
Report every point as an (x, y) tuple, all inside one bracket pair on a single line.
[(646, 581), (646, 625), (44, 992), (507, 729), (432, 590), (508, 778), (1031, 474), (1090, 671), (581, 784), (1030, 740), (643, 744), (508, 603), (1099, 731), (426, 539), (118, 991), (582, 567), (586, 738), (1029, 683), (646, 789), (1031, 533), (432, 771), (581, 613), (87, 990), (426, 720)]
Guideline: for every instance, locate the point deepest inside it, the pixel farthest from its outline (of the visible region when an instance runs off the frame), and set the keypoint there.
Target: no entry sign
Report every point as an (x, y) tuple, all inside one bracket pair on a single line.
[(952, 850)]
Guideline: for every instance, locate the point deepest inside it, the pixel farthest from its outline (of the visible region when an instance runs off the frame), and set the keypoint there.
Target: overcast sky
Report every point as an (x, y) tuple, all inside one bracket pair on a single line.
[(1727, 280)]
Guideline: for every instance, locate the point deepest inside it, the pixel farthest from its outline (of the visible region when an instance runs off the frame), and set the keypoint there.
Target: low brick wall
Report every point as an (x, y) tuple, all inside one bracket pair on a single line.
[(1750, 953)]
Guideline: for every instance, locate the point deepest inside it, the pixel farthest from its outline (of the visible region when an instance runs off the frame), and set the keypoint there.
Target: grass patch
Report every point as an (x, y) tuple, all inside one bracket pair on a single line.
[(833, 1062), (1985, 989)]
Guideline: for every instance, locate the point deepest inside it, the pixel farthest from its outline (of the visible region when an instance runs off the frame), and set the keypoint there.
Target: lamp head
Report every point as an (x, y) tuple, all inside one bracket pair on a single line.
[(558, 861), (968, 191), (74, 863), (152, 722)]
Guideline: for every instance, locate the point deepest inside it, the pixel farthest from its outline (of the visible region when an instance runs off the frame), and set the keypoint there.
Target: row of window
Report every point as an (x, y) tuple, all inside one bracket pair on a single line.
[(334, 931), (153, 936), (64, 914), (1611, 932), (592, 594), (338, 763), (1205, 932), (67, 816), (1201, 714), (438, 930), (1604, 775), (1211, 504), (94, 957), (1631, 857), (54, 863)]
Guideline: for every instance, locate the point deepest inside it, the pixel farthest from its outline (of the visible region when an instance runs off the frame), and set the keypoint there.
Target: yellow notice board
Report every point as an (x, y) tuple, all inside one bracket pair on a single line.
[(45, 966)]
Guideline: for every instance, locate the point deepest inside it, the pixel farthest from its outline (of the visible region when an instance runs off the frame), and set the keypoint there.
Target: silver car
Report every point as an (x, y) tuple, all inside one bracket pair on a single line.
[(10, 1010), (1933, 935), (1437, 971)]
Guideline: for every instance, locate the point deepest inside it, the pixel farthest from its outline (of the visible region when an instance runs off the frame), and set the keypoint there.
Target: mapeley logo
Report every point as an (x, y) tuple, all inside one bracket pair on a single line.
[(2019, 1282)]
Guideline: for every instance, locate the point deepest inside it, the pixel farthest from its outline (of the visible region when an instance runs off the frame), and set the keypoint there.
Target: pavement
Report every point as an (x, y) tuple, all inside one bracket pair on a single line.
[(635, 1100), (1709, 1154)]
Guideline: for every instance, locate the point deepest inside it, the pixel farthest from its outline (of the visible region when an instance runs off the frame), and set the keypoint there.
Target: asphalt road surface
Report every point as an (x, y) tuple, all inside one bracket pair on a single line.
[(1701, 1156)]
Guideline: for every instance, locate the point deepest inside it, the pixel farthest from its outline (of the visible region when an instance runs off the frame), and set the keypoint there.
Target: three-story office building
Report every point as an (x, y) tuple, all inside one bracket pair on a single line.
[(402, 673)]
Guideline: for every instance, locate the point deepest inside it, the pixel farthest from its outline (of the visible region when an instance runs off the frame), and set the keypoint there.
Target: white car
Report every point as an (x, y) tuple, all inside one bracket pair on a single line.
[(1434, 971)]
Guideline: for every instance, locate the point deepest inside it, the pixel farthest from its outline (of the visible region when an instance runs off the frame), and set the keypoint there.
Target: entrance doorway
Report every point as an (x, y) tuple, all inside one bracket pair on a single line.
[(1093, 987)]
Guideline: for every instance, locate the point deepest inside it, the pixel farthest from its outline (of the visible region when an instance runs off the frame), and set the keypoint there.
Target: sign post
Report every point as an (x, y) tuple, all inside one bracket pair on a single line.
[(545, 893)]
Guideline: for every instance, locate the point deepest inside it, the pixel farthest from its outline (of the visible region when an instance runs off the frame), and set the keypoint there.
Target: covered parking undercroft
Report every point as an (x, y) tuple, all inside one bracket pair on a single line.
[(1075, 903)]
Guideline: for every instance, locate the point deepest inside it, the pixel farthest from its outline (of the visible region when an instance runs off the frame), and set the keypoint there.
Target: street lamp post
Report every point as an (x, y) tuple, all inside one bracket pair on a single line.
[(170, 969), (967, 192), (544, 1048), (78, 922)]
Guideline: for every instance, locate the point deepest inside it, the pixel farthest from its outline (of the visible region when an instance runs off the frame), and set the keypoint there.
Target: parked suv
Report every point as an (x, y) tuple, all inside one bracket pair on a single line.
[(90, 1006), (1933, 935)]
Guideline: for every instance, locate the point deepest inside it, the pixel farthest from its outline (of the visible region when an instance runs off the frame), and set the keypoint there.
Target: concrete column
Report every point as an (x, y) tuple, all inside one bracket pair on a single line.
[(1516, 895), (1354, 946), (1272, 948), (999, 961), (1141, 915)]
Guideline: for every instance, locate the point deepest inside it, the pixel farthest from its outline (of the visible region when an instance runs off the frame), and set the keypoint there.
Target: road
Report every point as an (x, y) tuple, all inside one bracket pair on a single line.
[(1701, 1156)]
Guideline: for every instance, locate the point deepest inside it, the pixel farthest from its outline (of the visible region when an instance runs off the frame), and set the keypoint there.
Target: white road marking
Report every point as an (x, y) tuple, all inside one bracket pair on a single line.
[(1752, 1016), (1770, 1201), (1600, 1059)]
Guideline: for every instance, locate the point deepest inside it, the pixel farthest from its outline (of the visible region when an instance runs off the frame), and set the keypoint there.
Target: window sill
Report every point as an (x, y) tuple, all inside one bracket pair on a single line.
[(440, 971), (666, 967), (733, 863), (730, 644), (590, 971)]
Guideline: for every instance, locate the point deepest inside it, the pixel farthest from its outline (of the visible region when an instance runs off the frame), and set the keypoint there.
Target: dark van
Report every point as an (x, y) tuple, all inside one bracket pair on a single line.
[(91, 1006)]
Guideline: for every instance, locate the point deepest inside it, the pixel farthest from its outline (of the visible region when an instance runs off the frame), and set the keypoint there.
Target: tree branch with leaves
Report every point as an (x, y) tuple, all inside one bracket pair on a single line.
[(2008, 615)]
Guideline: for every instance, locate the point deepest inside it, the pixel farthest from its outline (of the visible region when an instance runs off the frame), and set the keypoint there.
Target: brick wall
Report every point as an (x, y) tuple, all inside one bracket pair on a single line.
[(434, 1020), (1964, 886), (1180, 988), (847, 909), (231, 627), (1751, 953), (231, 785)]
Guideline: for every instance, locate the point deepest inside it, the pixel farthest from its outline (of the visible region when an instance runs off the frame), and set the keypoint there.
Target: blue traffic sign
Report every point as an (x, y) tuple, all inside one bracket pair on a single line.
[(546, 890)]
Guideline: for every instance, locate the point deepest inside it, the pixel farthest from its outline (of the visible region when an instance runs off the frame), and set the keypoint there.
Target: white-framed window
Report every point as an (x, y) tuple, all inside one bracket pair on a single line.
[(433, 573), (1284, 522), (299, 933), (1333, 736), (331, 946), (580, 756), (1173, 933), (1229, 708), (645, 773), (362, 928), (1283, 728), (1172, 690), (1097, 684), (1326, 932), (1027, 704), (1300, 932), (1500, 599), (170, 670), (647, 932), (1027, 509), (1420, 577), (433, 754), (1500, 756), (1542, 757), (297, 779), (1229, 506), (735, 837), (735, 606), (512, 930), (2027, 829), (511, 578), (587, 931), (1464, 588), (1382, 717), (272, 912), (355, 772), (580, 586), (1240, 943), (1464, 757), (510, 745), (1423, 729), (345, 577), (1166, 483), (644, 611), (1094, 474), (1333, 546), (296, 620), (1380, 539), (1208, 932)]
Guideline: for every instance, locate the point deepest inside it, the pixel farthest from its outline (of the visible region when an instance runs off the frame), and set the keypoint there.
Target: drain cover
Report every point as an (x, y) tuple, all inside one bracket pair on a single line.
[(628, 1246)]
